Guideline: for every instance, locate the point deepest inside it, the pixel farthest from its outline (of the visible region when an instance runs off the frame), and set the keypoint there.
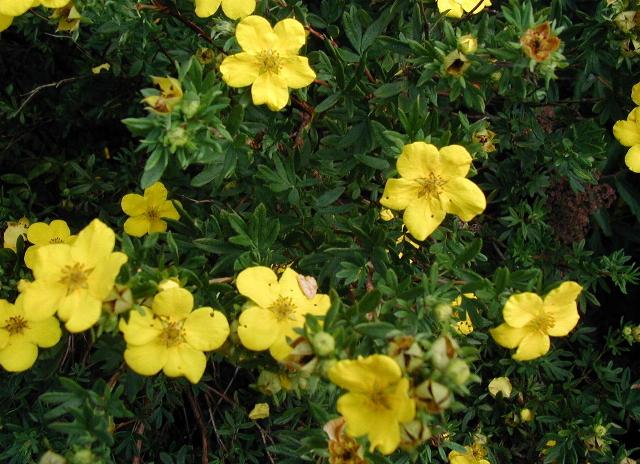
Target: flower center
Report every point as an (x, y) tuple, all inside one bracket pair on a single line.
[(16, 325), (56, 240), (283, 308), (269, 61), (380, 397), (543, 322), (430, 186), (153, 214), (172, 334), (75, 276)]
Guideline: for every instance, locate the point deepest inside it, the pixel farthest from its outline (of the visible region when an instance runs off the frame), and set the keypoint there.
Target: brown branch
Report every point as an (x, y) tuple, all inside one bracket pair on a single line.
[(166, 9), (139, 430), (321, 36), (221, 280), (197, 412)]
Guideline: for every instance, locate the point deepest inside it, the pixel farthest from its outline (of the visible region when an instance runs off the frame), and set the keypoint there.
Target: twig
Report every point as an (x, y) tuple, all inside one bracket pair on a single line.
[(158, 5), (33, 92), (197, 412), (221, 280), (139, 430)]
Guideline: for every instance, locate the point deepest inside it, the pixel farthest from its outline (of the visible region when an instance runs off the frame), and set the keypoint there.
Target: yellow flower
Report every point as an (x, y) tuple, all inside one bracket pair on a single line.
[(15, 230), (147, 212), (628, 133), (41, 233), (275, 310), (432, 184), (259, 411), (73, 279), (463, 327), (530, 320), (68, 17), (474, 455), (386, 214), (526, 415), (97, 70), (21, 336), (456, 8), (9, 9), (171, 337), (467, 44), (170, 95), (377, 402), (232, 9), (500, 385), (269, 61)]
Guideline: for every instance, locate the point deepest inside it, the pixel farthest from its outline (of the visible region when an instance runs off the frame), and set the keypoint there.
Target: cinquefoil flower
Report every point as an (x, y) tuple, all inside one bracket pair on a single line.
[(433, 184), (474, 455), (170, 95), (20, 336), (269, 61), (275, 310), (529, 320), (171, 337), (456, 8), (14, 231), (74, 279), (377, 402), (232, 9), (148, 211), (41, 233), (628, 132)]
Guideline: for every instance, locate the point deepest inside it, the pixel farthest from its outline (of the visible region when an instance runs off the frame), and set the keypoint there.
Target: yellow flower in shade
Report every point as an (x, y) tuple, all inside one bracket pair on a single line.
[(15, 230), (5, 22), (530, 320), (232, 9), (73, 279), (170, 95), (526, 415), (432, 184), (68, 18), (269, 61), (21, 336), (457, 8), (259, 411), (377, 402), (474, 455), (277, 307), (463, 327), (500, 385), (148, 211), (628, 132), (41, 233), (171, 337)]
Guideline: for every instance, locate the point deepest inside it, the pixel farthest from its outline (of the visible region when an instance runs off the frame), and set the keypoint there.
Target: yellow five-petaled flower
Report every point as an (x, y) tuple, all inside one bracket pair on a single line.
[(628, 132), (148, 211), (269, 61), (171, 337), (377, 402), (41, 233), (529, 320), (432, 184), (275, 310)]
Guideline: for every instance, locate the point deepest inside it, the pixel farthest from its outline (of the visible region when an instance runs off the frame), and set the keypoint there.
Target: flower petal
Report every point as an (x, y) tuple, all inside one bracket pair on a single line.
[(15, 7), (254, 34), (635, 94), (296, 72), (463, 198), (48, 261), (39, 233), (41, 299), (103, 276), (60, 232), (133, 204), (94, 244), (185, 361), (564, 294), (627, 132), (533, 345), (455, 161), (240, 70), (5, 22), (280, 348), (507, 336), (398, 193), (258, 328), (146, 359), (142, 328), (175, 303), (206, 329), (157, 226), (565, 318), (259, 284), (453, 9), (205, 8), (155, 195), (4, 338), (45, 333), (137, 226), (18, 356), (418, 160), (359, 375), (632, 158), (522, 308), (271, 90), (291, 37), (80, 311), (168, 210), (234, 9), (423, 216)]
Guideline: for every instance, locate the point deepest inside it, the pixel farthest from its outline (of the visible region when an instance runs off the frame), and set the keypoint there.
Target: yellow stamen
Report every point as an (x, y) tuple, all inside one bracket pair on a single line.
[(16, 325), (431, 186), (74, 277), (283, 308), (153, 214), (172, 334), (269, 61)]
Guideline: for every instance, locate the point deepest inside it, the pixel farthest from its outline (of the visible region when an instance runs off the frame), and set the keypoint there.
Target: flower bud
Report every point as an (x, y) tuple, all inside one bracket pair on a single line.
[(467, 44), (52, 458), (84, 456), (190, 104), (443, 312), (443, 350), (526, 415), (626, 20), (119, 300), (268, 383), (386, 214), (406, 352), (458, 371), (176, 137), (500, 385), (413, 434), (432, 396), (636, 333), (323, 344)]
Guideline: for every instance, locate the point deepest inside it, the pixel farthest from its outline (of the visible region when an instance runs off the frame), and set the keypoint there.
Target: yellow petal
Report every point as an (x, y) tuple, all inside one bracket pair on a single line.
[(137, 226), (472, 5), (94, 244), (18, 356), (60, 232), (453, 9), (564, 317), (627, 132), (259, 284), (175, 303), (185, 361), (205, 8), (258, 328), (291, 37), (240, 70), (507, 336), (14, 7), (54, 3), (259, 411), (206, 329), (418, 160), (632, 158), (565, 293), (49, 260), (133, 204), (234, 9), (635, 94), (41, 299), (398, 193), (146, 359), (4, 338), (455, 161), (254, 34), (361, 374), (142, 328), (45, 333), (157, 226), (156, 194), (39, 233), (522, 308), (167, 210), (463, 198), (104, 275), (296, 72), (5, 22), (271, 90), (30, 256), (280, 348), (423, 216), (79, 310), (533, 345)]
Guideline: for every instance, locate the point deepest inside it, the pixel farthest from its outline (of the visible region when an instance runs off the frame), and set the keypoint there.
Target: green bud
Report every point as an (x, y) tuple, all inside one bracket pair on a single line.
[(467, 44), (458, 371), (323, 343), (190, 104), (52, 458), (600, 430), (84, 456), (176, 137), (443, 312), (443, 350)]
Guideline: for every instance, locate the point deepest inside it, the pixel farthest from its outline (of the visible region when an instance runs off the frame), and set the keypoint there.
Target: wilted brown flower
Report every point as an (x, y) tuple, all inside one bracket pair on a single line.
[(456, 63), (538, 42), (343, 449)]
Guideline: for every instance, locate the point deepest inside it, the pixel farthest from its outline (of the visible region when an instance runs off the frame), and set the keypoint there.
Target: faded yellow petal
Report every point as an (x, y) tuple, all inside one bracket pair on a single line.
[(291, 37), (271, 90), (137, 226), (627, 132), (463, 198), (205, 8), (259, 284), (362, 374), (296, 72), (418, 160), (146, 359), (533, 345), (133, 204), (175, 303), (235, 9), (240, 70), (258, 328), (142, 328), (398, 193), (632, 158), (500, 385), (185, 361), (254, 34), (206, 329), (507, 336), (18, 356), (423, 216), (522, 308)]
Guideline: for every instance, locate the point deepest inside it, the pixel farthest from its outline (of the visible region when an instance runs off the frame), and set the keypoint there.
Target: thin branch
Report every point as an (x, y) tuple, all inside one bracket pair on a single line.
[(33, 92)]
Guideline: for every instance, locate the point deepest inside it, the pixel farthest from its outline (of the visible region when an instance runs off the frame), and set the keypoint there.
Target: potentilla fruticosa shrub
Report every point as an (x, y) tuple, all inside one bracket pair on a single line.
[(333, 231)]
